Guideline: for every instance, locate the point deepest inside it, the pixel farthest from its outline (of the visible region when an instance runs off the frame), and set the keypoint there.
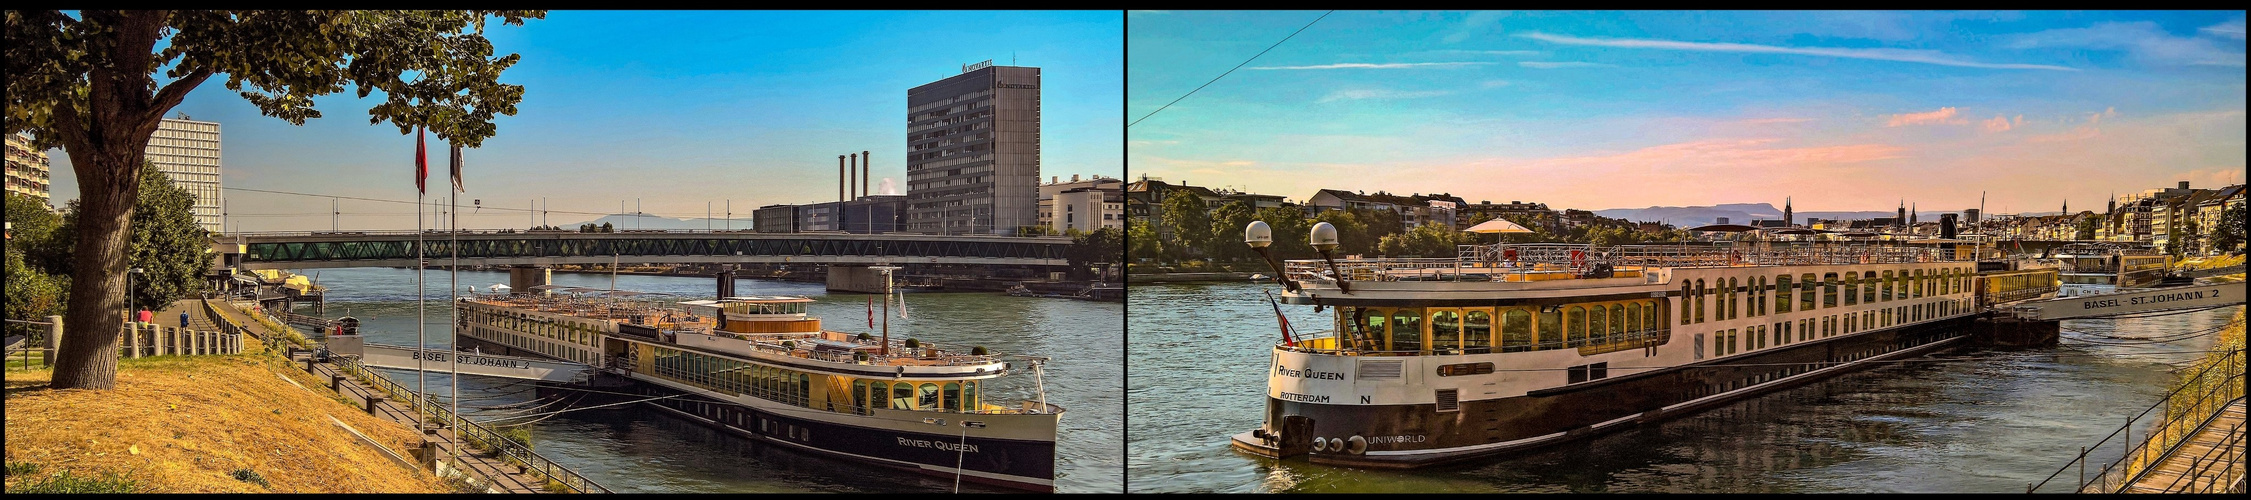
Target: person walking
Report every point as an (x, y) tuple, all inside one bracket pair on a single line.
[(183, 319)]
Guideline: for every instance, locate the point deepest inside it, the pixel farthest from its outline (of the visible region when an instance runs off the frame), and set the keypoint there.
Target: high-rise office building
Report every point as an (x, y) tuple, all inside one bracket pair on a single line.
[(973, 151), (188, 152), (27, 169)]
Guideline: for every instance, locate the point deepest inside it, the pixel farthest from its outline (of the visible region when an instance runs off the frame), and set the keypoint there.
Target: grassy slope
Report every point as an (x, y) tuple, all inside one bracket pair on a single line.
[(194, 421)]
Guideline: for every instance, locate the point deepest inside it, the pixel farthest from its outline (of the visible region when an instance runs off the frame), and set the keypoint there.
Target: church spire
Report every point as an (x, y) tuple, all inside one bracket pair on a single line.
[(1787, 221)]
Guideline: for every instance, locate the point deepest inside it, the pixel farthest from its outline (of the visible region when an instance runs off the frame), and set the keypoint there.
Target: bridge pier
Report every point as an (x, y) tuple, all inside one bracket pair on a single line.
[(726, 280), (850, 278), (521, 279)]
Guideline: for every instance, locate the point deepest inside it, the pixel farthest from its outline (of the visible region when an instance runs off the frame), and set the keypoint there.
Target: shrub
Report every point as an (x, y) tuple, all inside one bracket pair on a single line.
[(914, 344), (978, 351), (250, 476), (64, 482)]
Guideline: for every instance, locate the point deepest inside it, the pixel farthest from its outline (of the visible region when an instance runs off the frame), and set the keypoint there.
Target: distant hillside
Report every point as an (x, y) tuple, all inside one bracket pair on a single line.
[(646, 221), (1737, 213)]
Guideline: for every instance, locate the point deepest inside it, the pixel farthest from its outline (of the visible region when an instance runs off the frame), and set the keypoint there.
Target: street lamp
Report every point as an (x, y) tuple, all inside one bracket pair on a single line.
[(132, 309)]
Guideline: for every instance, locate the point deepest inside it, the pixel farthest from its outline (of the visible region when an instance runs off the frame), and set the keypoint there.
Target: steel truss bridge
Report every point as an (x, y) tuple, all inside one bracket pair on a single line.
[(315, 249)]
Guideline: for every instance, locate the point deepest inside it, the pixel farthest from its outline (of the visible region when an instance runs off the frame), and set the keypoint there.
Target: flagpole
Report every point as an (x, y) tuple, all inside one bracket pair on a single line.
[(453, 303), (421, 313)]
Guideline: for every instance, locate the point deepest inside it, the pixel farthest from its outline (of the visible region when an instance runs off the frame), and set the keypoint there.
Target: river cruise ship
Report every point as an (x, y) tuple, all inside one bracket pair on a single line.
[(2095, 269), (762, 368), (1508, 347)]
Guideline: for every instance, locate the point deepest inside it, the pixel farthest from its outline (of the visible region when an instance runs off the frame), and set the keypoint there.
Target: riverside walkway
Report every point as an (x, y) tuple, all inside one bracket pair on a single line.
[(2209, 461), (498, 473)]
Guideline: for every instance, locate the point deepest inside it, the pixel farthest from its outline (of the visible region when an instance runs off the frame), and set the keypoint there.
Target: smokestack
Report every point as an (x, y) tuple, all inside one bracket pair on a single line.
[(854, 186), (840, 181), (865, 163)]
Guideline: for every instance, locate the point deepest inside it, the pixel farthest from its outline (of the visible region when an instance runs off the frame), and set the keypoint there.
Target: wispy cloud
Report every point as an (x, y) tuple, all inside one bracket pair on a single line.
[(1484, 52), (1901, 55), (1564, 64), (2144, 40), (1493, 84), (1764, 121), (2230, 29), (1358, 94), (1378, 65), (1941, 116)]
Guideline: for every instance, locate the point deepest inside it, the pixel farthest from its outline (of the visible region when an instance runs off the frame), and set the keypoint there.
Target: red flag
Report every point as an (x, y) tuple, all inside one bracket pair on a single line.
[(421, 163), (1285, 320)]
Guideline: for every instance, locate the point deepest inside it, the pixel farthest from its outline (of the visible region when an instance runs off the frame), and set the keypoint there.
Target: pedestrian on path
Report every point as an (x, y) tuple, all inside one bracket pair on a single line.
[(183, 319)]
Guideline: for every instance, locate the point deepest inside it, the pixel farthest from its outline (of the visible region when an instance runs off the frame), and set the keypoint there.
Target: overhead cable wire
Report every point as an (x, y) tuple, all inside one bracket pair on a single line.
[(1293, 34)]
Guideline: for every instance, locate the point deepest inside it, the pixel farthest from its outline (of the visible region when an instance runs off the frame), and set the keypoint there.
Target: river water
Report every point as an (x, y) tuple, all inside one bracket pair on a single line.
[(638, 450), (1971, 420)]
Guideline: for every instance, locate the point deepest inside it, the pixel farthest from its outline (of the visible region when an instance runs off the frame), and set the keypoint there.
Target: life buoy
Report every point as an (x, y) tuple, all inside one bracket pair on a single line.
[(1509, 255), (1578, 259), (1734, 257)]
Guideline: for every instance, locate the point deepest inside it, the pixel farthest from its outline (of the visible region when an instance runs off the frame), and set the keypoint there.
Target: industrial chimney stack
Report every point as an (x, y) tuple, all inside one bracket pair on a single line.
[(865, 165)]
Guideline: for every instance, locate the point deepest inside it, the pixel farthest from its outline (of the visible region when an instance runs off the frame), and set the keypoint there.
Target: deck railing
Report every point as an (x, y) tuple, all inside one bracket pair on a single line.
[(1496, 262)]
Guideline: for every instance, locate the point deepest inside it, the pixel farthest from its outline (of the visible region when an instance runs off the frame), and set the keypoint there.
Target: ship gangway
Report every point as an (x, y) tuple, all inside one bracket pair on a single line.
[(436, 360), (2130, 302)]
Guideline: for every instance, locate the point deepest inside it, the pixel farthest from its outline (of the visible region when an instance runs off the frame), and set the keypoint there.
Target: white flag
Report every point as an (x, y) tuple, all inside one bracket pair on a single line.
[(902, 305)]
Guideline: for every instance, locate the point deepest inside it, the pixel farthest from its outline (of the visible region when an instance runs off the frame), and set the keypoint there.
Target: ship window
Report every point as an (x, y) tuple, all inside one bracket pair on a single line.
[(902, 396), (1551, 330), (969, 400), (1445, 330), (1406, 331), (953, 396), (1700, 300), (1686, 294), (1829, 290), (859, 396), (1477, 331), (1888, 280), (1806, 288), (929, 397), (1732, 345), (1576, 320), (1598, 326), (1633, 317), (1516, 330), (1617, 322), (1734, 298), (1649, 316), (1757, 341), (804, 390), (1915, 285), (1852, 288), (1782, 293), (1375, 319)]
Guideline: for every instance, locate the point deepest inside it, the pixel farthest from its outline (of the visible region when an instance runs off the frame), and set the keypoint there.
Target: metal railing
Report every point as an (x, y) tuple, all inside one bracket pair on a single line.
[(1496, 262), (427, 407), (2217, 470), (1610, 342), (2112, 477)]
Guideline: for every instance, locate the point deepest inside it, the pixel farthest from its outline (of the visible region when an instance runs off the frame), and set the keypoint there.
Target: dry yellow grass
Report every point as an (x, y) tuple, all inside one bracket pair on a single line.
[(185, 424)]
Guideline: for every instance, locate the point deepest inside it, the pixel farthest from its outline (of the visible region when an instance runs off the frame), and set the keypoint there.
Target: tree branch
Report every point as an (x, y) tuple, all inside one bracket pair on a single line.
[(174, 92)]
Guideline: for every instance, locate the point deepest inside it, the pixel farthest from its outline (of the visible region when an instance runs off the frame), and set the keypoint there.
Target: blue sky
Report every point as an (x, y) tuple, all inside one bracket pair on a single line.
[(1842, 110), (677, 108)]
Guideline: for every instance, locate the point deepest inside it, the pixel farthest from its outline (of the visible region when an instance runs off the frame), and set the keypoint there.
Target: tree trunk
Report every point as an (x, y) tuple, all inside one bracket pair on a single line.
[(97, 288), (106, 147)]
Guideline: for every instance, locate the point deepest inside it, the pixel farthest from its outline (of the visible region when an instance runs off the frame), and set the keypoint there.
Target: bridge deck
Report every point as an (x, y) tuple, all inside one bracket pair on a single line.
[(2209, 461)]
